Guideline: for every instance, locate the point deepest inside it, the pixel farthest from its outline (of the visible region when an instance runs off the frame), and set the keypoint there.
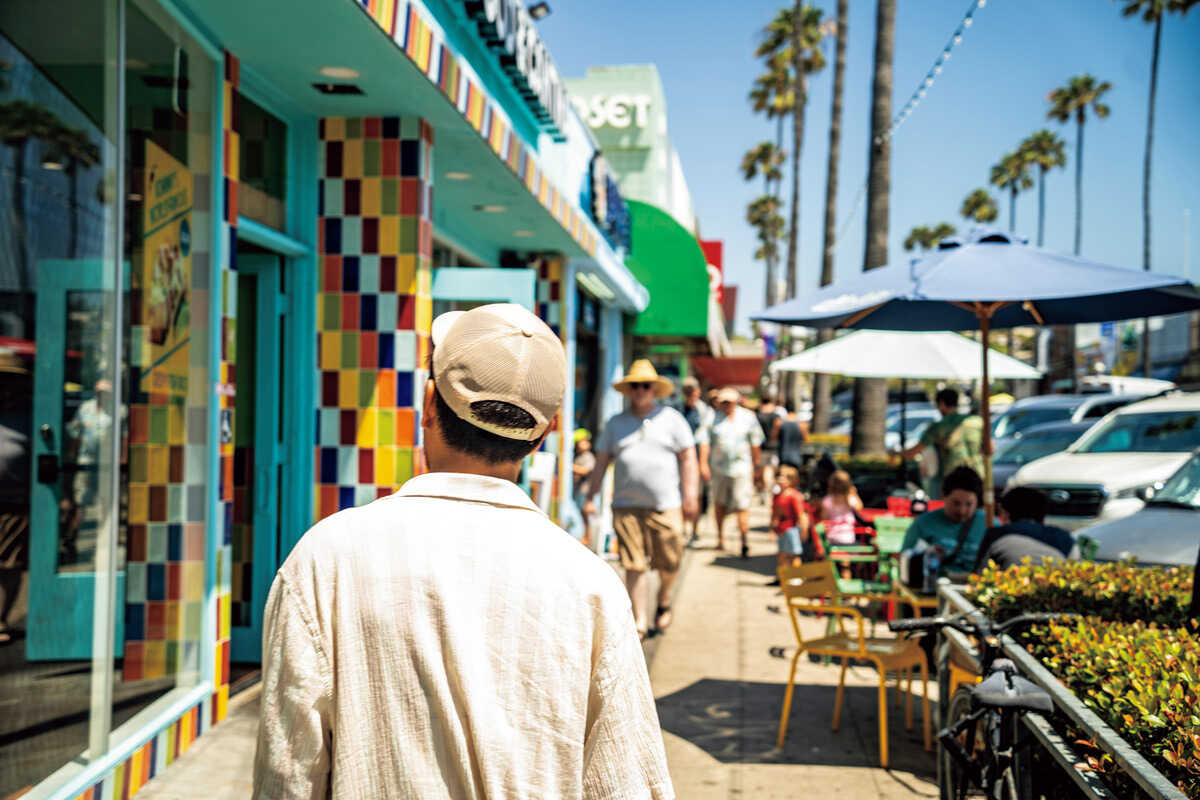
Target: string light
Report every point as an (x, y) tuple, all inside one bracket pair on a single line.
[(913, 101)]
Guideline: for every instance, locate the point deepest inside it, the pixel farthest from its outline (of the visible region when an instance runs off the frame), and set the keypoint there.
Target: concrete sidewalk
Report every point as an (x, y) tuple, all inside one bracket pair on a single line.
[(718, 676)]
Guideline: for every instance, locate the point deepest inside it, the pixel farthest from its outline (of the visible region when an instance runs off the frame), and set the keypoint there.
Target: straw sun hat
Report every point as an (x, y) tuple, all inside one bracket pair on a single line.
[(642, 371)]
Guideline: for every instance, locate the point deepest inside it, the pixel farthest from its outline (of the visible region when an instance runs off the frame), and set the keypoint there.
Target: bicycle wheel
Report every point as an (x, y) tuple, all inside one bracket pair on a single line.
[(953, 781)]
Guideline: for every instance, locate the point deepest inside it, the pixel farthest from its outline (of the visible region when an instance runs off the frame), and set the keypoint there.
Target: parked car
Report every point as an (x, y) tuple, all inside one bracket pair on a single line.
[(915, 423), (1102, 476), (1034, 443), (1030, 411), (1166, 531)]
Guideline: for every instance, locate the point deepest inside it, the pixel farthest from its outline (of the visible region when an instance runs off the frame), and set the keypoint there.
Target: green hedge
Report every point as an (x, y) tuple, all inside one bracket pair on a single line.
[(1133, 658)]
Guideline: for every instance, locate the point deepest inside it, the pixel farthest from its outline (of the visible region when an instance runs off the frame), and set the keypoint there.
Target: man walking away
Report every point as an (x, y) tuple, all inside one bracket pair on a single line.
[(1022, 533), (735, 457), (770, 419), (698, 415), (655, 487), (957, 438), (449, 641)]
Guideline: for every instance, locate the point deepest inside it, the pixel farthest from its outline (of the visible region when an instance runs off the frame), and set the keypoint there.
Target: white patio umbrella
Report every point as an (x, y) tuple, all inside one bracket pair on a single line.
[(922, 355)]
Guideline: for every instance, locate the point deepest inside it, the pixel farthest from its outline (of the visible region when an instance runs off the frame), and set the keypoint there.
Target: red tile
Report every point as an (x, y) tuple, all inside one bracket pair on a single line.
[(174, 581), (329, 389), (387, 273), (137, 543), (370, 235), (366, 465), (406, 312), (133, 661), (349, 427), (410, 197), (368, 350), (372, 127), (390, 158), (329, 500), (332, 268), (156, 622), (350, 311)]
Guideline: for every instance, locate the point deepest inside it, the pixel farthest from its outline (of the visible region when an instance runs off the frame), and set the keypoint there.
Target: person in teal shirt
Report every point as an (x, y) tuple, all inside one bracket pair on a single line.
[(962, 490)]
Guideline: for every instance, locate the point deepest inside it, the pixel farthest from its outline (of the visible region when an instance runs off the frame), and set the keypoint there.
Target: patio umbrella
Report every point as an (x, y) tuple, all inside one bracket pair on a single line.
[(986, 279)]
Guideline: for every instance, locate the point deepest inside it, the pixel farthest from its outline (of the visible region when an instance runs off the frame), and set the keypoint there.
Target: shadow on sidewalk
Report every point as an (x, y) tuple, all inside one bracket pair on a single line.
[(756, 565), (737, 722)]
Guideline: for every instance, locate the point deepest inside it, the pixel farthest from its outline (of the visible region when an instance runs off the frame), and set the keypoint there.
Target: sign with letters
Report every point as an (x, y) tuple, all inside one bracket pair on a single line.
[(509, 30), (615, 110)]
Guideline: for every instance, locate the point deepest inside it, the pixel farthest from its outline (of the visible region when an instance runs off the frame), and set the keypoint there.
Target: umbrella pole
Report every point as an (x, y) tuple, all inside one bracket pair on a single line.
[(903, 430), (985, 407)]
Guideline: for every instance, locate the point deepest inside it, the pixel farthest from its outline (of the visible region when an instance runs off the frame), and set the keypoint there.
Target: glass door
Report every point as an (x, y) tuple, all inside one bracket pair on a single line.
[(260, 452)]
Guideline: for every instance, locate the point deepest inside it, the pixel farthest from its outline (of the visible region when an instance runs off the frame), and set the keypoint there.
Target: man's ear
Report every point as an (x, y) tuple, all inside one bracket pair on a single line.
[(428, 406)]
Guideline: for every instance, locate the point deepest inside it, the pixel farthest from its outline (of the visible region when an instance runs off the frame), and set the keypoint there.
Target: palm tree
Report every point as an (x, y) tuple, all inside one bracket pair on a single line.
[(73, 148), (1152, 11), (765, 159), (927, 238), (21, 121), (1045, 151), (870, 394), (807, 58), (821, 388), (979, 206), (763, 215), (1011, 173), (1073, 99)]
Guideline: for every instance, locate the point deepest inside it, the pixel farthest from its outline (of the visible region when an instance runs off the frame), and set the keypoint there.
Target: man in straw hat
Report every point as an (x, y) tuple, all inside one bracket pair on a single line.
[(449, 640), (735, 456), (655, 487)]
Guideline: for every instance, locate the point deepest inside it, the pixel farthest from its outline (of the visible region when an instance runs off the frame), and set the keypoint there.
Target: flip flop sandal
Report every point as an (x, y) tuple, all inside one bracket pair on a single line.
[(659, 615), (643, 635)]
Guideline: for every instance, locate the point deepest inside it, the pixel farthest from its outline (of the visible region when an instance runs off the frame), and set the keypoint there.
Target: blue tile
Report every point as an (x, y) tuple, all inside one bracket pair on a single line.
[(135, 622), (345, 497), (366, 313), (333, 236), (404, 389), (410, 158), (350, 274), (391, 127), (329, 465), (387, 350), (156, 582), (174, 543)]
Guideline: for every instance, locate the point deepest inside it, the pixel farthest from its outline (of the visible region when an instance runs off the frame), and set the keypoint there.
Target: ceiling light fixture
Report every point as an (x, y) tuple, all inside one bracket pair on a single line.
[(492, 208), (523, 234), (539, 10), (337, 88), (339, 73), (457, 176)]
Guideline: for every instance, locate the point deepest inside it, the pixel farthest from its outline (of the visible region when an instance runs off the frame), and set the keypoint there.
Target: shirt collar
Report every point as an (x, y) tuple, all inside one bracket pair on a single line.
[(467, 487)]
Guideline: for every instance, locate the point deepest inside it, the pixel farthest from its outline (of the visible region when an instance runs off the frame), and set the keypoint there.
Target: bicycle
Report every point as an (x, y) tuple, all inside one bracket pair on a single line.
[(979, 746)]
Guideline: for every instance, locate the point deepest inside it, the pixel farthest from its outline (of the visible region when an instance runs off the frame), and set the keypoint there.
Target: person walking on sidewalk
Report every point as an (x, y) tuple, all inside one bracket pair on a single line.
[(735, 456), (655, 488), (449, 640), (770, 419), (956, 438), (698, 415)]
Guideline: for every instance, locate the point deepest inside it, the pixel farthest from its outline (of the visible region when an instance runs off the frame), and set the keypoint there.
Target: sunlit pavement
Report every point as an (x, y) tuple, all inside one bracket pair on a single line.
[(719, 675)]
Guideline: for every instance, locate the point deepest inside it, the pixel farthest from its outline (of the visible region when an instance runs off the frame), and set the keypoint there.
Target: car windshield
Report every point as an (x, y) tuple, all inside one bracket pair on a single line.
[(1182, 488), (913, 422), (1160, 432), (1020, 419), (1032, 448)]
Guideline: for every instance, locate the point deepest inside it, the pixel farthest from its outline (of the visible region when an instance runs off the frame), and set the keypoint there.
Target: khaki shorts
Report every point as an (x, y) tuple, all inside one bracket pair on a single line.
[(646, 536), (732, 492)]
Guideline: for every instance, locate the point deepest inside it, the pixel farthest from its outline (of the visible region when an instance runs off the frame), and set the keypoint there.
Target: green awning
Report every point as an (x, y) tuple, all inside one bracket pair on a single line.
[(668, 261)]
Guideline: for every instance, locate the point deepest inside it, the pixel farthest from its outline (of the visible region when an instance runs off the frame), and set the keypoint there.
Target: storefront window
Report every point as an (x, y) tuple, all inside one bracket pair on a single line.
[(103, 372), (262, 174)]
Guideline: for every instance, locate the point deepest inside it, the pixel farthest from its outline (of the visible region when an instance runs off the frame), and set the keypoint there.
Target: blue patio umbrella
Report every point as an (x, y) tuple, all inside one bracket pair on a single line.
[(986, 279)]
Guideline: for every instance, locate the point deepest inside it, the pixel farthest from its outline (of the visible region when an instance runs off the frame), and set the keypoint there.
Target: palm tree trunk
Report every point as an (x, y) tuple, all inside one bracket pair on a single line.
[(870, 395), (1041, 207), (1012, 209), (1147, 366), (1079, 188), (821, 385)]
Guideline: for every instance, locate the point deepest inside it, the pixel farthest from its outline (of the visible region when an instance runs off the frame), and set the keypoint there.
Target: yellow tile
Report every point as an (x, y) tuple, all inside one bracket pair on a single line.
[(348, 388), (158, 459), (331, 351), (425, 282), (372, 190), (368, 432), (222, 702), (234, 165), (172, 621), (389, 235), (226, 601), (119, 774), (193, 580), (154, 660), (335, 129), (227, 107), (423, 318), (136, 761), (385, 466), (352, 158), (139, 504), (185, 723), (406, 274)]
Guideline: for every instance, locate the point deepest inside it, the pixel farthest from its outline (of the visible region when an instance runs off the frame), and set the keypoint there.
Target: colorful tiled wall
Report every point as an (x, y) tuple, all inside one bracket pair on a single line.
[(404, 22), (223, 525), (374, 307), (148, 760)]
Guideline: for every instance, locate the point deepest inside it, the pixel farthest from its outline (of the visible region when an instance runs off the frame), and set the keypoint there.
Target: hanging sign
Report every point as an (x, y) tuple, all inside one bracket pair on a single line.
[(507, 27)]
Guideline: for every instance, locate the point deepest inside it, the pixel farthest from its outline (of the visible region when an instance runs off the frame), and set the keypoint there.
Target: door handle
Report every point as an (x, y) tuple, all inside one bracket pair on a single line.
[(47, 468)]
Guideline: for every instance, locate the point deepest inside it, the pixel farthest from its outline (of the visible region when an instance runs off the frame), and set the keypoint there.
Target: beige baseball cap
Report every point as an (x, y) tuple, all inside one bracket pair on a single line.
[(499, 352)]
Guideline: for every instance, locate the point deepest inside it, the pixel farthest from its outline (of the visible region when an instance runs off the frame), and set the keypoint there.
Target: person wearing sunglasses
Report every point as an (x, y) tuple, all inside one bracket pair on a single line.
[(655, 488)]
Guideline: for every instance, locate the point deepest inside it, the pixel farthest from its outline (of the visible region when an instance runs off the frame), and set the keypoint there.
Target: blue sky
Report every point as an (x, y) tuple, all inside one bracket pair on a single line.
[(991, 94)]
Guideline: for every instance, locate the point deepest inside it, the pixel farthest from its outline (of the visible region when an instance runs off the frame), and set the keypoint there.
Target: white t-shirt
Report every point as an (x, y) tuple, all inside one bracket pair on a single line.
[(645, 455), (731, 438)]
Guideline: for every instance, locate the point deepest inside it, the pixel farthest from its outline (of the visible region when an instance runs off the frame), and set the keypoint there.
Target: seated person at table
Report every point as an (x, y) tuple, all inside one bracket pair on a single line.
[(1021, 532), (955, 530)]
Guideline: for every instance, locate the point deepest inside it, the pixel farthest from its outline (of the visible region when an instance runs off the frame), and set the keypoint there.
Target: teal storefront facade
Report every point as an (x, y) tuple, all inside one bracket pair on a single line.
[(224, 233)]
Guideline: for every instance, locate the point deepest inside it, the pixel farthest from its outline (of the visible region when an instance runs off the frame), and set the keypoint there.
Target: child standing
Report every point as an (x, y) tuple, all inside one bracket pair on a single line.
[(789, 521), (837, 509), (581, 467)]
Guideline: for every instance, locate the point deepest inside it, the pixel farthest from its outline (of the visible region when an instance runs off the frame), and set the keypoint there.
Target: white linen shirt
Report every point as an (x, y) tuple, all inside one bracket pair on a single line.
[(450, 641), (731, 439)]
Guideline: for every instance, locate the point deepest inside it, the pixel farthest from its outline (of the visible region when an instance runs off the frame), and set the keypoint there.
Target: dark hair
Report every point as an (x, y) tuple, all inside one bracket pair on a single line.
[(1025, 502), (492, 448), (947, 397), (963, 478)]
